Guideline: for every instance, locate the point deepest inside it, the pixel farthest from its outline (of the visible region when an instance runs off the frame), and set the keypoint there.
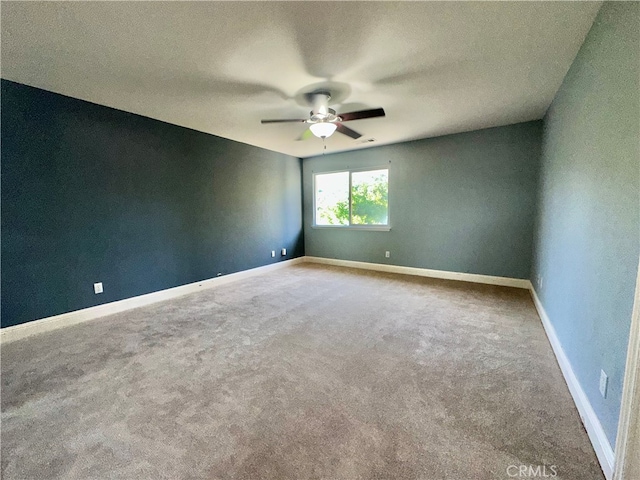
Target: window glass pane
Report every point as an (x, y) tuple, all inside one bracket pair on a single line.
[(332, 199), (370, 197)]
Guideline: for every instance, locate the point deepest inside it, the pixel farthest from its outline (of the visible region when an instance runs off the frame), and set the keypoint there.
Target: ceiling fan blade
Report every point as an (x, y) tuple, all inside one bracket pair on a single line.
[(374, 112), (306, 135), (347, 131), (298, 120)]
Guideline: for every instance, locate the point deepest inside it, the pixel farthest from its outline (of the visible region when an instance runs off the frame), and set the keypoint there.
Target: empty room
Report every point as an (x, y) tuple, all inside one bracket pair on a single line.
[(320, 240)]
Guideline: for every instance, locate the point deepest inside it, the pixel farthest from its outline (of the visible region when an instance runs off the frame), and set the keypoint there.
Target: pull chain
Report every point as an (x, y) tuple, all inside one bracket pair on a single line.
[(324, 144)]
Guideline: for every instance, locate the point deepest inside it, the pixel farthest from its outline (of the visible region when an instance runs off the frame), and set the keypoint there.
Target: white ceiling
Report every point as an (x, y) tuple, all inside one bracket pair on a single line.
[(220, 67)]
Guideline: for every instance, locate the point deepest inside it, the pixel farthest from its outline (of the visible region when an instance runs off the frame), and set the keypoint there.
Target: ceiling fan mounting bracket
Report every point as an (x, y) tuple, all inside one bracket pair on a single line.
[(320, 105)]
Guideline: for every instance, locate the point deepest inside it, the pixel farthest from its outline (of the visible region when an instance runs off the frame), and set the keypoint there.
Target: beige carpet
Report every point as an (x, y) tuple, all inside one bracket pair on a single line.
[(309, 372)]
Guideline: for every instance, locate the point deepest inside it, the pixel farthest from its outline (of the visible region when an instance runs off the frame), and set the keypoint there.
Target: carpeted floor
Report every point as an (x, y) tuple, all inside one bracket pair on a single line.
[(309, 372)]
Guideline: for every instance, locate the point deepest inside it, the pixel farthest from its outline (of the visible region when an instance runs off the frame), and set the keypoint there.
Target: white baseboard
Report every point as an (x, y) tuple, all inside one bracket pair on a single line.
[(592, 424), (18, 332), (425, 272)]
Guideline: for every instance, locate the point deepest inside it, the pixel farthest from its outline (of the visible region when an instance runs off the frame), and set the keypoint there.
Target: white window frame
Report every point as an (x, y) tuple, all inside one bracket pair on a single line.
[(369, 228)]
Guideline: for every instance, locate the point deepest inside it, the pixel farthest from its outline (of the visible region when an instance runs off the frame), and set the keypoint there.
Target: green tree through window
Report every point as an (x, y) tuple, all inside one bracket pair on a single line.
[(369, 198)]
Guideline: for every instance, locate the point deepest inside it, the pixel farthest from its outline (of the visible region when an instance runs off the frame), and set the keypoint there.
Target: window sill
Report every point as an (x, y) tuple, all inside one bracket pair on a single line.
[(363, 228)]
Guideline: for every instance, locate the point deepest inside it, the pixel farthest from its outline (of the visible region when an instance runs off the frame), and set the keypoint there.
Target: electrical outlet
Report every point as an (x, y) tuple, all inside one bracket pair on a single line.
[(284, 252), (273, 254), (604, 383), (387, 254), (97, 288)]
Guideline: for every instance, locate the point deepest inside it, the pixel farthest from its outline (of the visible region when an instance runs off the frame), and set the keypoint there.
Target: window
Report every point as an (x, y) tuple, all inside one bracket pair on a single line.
[(357, 198)]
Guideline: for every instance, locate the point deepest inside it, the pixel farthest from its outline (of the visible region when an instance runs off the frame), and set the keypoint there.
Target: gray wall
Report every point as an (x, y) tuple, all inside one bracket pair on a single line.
[(92, 194), (587, 243), (462, 203)]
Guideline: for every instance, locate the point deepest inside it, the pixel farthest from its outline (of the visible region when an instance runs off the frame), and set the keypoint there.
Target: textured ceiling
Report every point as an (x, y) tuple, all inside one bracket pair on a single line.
[(220, 67)]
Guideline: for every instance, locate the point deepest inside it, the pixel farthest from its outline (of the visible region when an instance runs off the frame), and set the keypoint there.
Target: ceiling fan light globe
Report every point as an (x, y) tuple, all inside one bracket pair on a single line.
[(323, 129)]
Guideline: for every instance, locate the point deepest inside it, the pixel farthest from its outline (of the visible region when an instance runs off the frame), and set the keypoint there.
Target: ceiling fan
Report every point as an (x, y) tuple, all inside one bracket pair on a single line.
[(323, 121)]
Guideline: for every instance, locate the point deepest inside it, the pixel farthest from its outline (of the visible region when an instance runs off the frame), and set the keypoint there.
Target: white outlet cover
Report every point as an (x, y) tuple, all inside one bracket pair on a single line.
[(284, 252), (97, 288), (273, 253), (387, 254), (604, 383)]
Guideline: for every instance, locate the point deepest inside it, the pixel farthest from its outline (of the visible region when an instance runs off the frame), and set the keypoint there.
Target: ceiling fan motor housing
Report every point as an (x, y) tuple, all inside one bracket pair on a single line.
[(328, 117)]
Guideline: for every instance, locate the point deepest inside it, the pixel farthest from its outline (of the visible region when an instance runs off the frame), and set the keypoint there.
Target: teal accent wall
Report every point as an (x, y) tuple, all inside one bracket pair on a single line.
[(92, 194), (462, 203), (588, 234)]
